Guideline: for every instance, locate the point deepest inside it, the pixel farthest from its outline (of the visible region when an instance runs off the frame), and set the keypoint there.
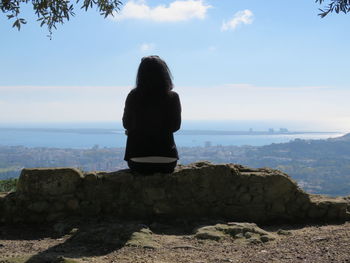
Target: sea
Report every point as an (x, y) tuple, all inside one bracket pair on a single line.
[(110, 135)]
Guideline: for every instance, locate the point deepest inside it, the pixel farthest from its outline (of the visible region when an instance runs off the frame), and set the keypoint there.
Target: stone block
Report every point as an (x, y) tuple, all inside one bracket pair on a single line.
[(49, 181)]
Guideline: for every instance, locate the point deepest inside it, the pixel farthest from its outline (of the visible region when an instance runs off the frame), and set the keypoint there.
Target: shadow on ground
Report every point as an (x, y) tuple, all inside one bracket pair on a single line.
[(98, 238), (87, 240)]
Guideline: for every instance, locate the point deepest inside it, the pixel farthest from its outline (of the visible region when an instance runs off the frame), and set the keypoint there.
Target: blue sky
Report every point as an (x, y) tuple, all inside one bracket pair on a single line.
[(231, 60)]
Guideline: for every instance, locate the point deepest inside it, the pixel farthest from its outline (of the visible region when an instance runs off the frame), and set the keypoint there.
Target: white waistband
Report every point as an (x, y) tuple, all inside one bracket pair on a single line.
[(153, 159)]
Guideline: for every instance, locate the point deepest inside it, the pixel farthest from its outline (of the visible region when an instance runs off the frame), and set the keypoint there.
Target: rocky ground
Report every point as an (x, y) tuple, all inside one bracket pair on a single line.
[(110, 241)]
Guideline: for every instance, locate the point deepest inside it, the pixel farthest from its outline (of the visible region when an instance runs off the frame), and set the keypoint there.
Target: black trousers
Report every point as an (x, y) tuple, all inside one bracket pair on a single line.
[(150, 168)]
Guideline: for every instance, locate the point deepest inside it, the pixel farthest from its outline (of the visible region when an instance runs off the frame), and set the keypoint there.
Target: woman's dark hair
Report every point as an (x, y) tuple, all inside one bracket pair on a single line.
[(153, 76)]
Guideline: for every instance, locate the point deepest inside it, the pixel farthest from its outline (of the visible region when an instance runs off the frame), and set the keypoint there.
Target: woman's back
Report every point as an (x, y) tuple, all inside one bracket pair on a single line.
[(144, 113)]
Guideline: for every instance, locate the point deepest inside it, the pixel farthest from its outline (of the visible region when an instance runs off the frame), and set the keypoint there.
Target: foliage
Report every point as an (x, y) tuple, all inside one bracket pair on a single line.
[(335, 6), (53, 12), (8, 185)]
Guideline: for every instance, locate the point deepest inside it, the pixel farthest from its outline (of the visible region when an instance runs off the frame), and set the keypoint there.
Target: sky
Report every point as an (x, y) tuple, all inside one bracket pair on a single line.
[(244, 60)]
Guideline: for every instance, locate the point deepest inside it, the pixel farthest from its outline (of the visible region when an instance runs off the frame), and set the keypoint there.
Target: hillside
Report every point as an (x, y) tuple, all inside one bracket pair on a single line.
[(345, 137), (319, 166)]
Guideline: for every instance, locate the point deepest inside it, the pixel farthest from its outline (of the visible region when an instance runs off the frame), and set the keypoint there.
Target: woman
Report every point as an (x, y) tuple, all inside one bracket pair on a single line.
[(152, 114)]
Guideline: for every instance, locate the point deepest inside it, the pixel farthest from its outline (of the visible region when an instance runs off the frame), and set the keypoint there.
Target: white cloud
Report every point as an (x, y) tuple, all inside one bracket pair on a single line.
[(235, 101), (252, 102), (50, 104), (241, 17), (175, 11), (147, 47)]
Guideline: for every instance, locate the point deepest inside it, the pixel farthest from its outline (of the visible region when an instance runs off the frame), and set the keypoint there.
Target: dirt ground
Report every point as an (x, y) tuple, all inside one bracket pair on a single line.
[(137, 242)]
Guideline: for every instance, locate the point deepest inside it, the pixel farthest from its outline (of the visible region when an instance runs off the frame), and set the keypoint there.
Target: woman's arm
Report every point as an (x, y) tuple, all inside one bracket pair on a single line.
[(127, 116), (175, 116)]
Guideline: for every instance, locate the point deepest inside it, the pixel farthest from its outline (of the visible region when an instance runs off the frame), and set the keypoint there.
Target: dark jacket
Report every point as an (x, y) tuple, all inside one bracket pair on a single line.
[(150, 120)]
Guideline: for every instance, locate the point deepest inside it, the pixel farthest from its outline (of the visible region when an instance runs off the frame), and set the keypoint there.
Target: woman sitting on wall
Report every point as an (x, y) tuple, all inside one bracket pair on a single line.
[(152, 114)]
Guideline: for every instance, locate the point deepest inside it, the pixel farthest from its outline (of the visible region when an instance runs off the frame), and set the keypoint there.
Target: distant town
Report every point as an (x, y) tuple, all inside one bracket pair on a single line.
[(319, 166)]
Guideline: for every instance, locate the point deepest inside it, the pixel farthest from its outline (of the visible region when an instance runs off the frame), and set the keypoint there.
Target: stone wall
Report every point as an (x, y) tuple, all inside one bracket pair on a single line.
[(196, 191)]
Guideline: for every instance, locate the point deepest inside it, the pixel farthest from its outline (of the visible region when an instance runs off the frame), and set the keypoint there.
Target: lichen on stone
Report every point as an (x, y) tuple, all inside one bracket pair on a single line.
[(247, 232)]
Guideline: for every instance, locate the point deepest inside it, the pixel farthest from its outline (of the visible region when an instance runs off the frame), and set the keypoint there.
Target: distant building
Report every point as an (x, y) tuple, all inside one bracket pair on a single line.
[(207, 144), (271, 130), (283, 130), (250, 129)]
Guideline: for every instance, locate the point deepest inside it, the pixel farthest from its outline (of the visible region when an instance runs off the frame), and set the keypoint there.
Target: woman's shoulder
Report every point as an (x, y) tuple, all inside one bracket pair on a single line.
[(132, 94), (173, 94)]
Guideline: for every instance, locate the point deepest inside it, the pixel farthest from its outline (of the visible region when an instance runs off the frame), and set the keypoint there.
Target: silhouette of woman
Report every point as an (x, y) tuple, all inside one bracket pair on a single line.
[(152, 114)]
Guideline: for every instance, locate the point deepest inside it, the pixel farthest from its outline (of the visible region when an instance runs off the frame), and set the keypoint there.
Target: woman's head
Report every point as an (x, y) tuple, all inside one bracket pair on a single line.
[(153, 75)]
